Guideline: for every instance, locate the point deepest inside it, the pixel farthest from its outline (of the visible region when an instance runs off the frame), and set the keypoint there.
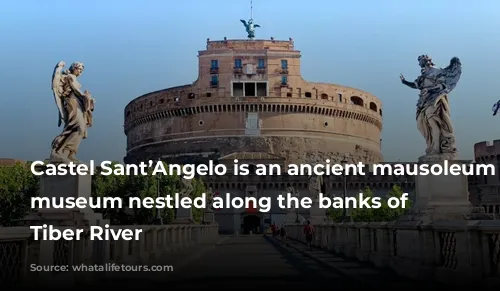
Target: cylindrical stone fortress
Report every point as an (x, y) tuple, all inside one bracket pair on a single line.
[(251, 97)]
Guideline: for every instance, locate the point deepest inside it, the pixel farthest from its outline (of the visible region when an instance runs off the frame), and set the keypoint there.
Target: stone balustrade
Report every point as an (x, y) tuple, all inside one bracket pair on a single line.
[(450, 252), (19, 252)]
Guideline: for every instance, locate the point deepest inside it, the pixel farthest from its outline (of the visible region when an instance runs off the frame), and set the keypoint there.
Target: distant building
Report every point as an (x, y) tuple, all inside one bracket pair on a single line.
[(7, 161), (485, 190)]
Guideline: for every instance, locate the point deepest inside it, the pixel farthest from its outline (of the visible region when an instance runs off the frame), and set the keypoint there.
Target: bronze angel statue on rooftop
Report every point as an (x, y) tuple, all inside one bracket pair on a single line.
[(250, 28), (75, 112), (433, 109)]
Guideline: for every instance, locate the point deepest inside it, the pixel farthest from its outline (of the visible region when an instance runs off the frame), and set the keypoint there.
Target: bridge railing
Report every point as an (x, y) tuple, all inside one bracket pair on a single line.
[(458, 252), (20, 254)]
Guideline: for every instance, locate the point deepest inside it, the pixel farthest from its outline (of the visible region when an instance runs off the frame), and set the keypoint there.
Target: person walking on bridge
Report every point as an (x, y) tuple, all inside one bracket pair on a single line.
[(274, 230), (309, 233), (283, 234)]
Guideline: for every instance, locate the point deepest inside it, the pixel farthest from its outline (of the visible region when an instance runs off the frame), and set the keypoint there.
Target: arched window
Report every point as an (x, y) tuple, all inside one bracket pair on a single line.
[(355, 100)]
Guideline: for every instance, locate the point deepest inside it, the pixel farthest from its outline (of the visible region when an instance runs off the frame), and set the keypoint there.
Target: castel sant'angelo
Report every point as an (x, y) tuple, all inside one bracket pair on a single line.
[(250, 97), (251, 103)]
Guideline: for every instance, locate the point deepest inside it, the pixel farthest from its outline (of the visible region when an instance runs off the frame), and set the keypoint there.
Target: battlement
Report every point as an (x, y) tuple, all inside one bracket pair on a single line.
[(486, 149), (250, 44)]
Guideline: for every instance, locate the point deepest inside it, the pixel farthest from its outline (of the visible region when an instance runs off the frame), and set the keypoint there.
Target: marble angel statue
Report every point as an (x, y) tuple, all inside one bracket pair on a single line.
[(496, 107), (433, 109), (186, 188), (293, 192), (75, 112), (315, 185), (210, 200)]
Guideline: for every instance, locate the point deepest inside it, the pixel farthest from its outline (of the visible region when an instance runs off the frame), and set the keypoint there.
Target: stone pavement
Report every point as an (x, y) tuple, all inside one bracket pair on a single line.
[(363, 272), (178, 259), (249, 262)]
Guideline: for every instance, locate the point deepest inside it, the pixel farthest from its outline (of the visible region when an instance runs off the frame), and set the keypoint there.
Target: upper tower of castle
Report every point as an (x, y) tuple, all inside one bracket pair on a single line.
[(249, 68), (250, 92)]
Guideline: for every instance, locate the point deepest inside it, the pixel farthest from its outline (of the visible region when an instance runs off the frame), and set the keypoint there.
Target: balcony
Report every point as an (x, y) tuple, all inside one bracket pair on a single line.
[(238, 70), (214, 84), (214, 70), (261, 70), (284, 84), (284, 71)]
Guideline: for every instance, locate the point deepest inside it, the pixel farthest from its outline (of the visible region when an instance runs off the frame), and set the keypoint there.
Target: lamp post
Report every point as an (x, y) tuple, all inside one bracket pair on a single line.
[(345, 218), (158, 220), (297, 220), (203, 217), (479, 195)]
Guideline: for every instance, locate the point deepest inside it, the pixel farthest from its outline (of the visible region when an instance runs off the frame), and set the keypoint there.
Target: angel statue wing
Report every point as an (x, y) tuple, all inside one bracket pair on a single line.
[(244, 22), (495, 108), (452, 74), (256, 25), (57, 89)]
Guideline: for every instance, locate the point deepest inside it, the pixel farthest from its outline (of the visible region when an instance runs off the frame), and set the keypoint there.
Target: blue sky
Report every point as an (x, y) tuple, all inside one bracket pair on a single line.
[(133, 47)]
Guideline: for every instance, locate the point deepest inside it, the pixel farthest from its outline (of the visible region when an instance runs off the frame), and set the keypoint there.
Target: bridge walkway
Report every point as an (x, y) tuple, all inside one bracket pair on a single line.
[(249, 262)]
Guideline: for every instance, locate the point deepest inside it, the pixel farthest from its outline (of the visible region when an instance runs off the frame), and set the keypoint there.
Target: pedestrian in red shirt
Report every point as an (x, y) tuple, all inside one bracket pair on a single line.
[(309, 233), (274, 230)]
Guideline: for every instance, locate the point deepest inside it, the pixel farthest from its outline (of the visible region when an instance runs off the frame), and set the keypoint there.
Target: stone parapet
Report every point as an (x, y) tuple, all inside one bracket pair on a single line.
[(462, 253), (18, 250)]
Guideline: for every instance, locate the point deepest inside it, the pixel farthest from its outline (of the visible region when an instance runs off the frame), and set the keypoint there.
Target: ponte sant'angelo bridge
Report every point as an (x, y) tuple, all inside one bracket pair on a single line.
[(402, 255)]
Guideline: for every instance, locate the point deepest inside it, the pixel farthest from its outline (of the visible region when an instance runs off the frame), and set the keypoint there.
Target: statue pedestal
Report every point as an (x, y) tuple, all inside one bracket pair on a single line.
[(209, 216), (317, 215), (291, 216), (63, 187), (184, 216), (441, 197)]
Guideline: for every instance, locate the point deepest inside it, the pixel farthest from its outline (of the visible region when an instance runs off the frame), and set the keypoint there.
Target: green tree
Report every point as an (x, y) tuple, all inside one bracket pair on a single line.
[(198, 190), (169, 185), (364, 214), (334, 214), (143, 186), (17, 186), (394, 213), (112, 186), (384, 212)]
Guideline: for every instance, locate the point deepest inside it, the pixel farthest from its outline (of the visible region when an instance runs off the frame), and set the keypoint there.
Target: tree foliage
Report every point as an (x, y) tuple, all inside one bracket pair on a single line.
[(198, 190), (112, 186), (17, 186), (366, 214), (384, 213), (394, 213), (334, 214), (142, 186)]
